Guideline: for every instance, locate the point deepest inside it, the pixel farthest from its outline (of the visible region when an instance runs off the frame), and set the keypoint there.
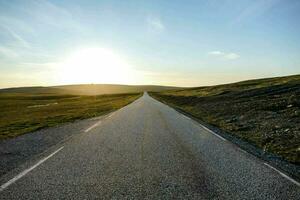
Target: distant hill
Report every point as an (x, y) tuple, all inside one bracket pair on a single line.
[(242, 86), (87, 89), (33, 90)]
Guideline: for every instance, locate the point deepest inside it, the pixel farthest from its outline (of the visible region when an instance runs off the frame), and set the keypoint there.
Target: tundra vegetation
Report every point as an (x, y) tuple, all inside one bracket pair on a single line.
[(26, 111)]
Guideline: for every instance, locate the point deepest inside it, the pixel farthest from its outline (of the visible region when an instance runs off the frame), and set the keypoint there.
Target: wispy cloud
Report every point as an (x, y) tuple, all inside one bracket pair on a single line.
[(18, 38), (155, 24), (215, 53), (42, 13), (20, 24), (14, 46), (53, 15), (255, 9), (231, 56), (7, 52), (224, 55)]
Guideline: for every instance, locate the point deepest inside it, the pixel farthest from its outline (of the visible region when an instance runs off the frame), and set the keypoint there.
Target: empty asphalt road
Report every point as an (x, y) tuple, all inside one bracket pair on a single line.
[(147, 151)]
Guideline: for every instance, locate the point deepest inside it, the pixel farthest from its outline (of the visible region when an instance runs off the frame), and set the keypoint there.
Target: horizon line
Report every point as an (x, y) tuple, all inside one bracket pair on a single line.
[(140, 85)]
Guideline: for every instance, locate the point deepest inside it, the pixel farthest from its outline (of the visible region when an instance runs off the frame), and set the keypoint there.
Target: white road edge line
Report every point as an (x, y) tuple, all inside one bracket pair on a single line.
[(93, 126), (284, 175), (11, 181), (206, 129), (213, 133), (242, 150)]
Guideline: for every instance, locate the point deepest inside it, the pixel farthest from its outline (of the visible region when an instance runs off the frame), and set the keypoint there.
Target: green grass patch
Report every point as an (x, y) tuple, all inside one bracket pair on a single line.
[(22, 112)]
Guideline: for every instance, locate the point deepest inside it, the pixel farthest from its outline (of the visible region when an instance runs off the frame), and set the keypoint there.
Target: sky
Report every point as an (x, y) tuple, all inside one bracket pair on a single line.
[(167, 42)]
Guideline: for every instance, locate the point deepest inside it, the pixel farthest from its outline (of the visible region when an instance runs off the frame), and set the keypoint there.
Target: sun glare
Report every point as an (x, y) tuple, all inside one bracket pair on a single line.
[(95, 65)]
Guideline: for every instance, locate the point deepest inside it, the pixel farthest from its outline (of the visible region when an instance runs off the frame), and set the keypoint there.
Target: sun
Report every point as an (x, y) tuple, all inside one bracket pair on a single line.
[(95, 65)]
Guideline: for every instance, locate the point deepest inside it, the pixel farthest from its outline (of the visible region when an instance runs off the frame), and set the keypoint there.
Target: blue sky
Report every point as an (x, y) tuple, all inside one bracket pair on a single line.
[(184, 43)]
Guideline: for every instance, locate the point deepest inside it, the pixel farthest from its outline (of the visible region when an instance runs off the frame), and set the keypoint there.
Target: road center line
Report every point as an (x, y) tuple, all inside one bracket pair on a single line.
[(11, 181), (93, 126), (284, 175), (111, 115)]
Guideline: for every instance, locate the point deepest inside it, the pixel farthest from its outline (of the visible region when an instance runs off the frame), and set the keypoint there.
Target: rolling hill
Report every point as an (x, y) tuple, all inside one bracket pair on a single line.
[(87, 89)]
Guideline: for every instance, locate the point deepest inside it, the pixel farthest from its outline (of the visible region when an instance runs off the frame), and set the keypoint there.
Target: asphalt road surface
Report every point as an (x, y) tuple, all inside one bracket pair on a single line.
[(147, 150)]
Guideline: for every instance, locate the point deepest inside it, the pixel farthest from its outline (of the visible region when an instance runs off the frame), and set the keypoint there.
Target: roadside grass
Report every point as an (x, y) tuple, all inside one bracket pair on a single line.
[(264, 112), (21, 113)]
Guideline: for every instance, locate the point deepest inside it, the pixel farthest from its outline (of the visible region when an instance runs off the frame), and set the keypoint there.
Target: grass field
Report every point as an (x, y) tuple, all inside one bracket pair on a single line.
[(87, 89), (26, 112), (264, 112)]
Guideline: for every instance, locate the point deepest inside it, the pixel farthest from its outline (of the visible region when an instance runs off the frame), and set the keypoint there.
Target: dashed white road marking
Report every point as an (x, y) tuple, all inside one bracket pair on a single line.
[(11, 181), (213, 133), (186, 117), (93, 126), (242, 150), (284, 175), (112, 114)]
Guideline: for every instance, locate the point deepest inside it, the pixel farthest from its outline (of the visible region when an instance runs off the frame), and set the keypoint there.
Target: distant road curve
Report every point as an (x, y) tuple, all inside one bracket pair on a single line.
[(147, 150)]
